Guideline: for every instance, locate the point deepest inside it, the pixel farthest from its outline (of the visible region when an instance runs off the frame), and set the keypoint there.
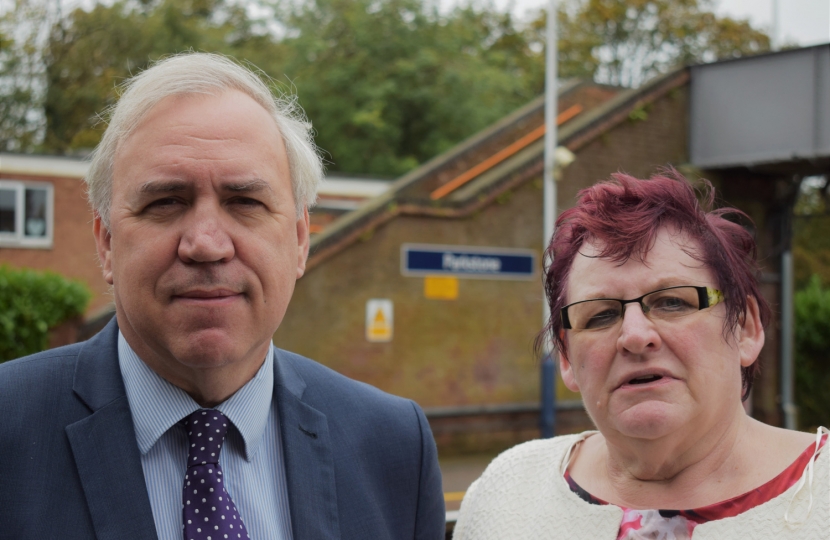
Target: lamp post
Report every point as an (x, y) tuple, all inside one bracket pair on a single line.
[(548, 366), (775, 41)]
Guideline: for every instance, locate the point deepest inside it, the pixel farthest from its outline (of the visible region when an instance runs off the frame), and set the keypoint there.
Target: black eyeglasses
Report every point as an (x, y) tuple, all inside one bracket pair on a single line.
[(662, 304)]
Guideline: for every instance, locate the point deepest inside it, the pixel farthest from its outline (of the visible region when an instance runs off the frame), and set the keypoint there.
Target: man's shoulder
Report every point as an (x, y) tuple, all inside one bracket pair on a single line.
[(324, 385), (37, 390), (16, 375)]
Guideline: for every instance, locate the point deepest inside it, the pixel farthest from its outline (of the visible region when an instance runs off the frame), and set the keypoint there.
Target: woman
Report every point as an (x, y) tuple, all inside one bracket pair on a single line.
[(658, 320)]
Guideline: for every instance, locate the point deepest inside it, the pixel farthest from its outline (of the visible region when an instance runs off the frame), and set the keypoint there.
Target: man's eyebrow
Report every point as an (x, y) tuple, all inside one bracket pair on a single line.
[(155, 187), (249, 186), (163, 186)]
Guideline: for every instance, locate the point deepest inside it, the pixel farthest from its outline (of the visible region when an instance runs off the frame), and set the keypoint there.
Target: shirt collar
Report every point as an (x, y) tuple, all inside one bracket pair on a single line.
[(156, 404)]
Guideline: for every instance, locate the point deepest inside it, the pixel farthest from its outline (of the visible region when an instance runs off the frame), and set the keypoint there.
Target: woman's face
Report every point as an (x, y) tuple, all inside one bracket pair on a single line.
[(687, 371)]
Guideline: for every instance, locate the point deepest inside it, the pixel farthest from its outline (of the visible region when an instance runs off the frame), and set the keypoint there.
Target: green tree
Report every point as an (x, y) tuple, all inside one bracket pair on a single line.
[(811, 253), (811, 243), (390, 83), (625, 42), (23, 28), (812, 354), (90, 52), (387, 83)]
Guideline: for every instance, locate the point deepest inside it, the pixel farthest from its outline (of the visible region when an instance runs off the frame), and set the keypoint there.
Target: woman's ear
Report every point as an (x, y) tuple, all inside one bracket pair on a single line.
[(567, 373), (750, 333)]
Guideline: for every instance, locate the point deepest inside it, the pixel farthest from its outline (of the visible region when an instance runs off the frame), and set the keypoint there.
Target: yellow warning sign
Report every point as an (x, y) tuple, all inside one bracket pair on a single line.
[(379, 320), (441, 287)]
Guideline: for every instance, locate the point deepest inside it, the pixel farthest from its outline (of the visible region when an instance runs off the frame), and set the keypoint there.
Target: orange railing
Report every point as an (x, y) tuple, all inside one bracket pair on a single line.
[(502, 155)]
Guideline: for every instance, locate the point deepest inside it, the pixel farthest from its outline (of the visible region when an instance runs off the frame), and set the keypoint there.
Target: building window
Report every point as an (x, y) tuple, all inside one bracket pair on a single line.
[(26, 214)]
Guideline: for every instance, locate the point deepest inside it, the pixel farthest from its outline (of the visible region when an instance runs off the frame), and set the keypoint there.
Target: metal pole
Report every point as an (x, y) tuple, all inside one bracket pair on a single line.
[(548, 418), (787, 342), (774, 40), (548, 397), (551, 107)]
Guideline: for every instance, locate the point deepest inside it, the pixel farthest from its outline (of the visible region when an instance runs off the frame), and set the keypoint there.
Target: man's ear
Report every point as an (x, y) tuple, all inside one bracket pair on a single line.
[(567, 372), (103, 243), (750, 333), (303, 241)]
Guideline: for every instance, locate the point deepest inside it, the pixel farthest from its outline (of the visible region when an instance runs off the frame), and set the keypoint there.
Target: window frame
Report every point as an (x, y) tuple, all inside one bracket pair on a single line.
[(18, 239)]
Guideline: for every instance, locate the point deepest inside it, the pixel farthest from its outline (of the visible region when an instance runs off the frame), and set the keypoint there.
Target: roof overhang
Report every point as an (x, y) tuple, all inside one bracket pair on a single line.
[(35, 165), (768, 113)]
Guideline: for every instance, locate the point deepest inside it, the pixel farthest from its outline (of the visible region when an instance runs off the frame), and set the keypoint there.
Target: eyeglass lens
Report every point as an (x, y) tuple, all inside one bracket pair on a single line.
[(665, 304)]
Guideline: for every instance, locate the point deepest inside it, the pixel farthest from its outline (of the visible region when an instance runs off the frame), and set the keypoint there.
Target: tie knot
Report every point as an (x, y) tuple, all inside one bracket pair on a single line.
[(206, 430)]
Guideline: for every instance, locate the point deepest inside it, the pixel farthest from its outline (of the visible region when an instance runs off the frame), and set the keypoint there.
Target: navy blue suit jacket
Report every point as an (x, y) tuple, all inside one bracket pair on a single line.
[(360, 464)]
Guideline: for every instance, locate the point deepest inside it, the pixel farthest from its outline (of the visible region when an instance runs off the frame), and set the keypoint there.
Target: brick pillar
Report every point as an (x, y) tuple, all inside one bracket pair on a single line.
[(768, 201)]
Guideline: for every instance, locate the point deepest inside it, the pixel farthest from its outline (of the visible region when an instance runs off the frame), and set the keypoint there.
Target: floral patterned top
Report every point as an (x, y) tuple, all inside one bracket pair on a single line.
[(680, 524)]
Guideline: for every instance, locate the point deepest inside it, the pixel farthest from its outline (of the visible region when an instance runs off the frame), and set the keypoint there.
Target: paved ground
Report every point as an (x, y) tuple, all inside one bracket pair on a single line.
[(458, 473)]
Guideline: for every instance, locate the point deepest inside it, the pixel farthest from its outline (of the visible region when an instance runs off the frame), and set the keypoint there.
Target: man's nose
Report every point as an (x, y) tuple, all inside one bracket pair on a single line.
[(638, 333), (206, 237)]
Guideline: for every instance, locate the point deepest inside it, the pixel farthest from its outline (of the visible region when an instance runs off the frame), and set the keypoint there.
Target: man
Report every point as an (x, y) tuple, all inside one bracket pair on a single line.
[(200, 190)]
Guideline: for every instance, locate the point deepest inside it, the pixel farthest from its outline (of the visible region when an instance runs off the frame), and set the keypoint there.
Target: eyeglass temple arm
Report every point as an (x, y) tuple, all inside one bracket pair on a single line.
[(708, 296), (566, 321), (703, 297)]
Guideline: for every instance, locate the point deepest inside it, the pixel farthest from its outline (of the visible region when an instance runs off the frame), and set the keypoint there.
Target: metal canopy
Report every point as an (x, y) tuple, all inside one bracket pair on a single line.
[(766, 112)]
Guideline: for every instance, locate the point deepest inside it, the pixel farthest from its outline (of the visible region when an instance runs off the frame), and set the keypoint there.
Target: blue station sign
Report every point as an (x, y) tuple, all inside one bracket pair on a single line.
[(467, 261)]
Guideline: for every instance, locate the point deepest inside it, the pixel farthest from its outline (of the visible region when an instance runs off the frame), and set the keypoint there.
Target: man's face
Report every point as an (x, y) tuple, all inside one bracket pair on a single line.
[(204, 244)]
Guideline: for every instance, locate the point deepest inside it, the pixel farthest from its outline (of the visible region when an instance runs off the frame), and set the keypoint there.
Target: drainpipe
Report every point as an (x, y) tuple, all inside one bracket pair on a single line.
[(787, 341), (788, 406), (547, 419), (775, 41), (551, 109)]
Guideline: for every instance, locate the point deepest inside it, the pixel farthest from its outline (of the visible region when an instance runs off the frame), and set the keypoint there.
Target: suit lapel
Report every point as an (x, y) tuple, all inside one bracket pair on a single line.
[(109, 462), (104, 446), (309, 464)]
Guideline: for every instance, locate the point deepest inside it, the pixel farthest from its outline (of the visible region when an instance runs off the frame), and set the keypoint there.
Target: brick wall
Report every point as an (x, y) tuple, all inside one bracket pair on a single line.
[(476, 349), (73, 250), (636, 146)]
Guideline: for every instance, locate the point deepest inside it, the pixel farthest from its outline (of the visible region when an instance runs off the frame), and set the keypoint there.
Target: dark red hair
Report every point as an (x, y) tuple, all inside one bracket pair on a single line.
[(624, 215)]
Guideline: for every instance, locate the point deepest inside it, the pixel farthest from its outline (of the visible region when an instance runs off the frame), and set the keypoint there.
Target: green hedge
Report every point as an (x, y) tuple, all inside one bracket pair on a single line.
[(812, 354), (30, 304)]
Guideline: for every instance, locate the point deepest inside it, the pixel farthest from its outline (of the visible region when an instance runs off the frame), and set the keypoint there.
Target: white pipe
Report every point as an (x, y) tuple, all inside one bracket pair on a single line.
[(775, 42), (551, 106), (787, 342)]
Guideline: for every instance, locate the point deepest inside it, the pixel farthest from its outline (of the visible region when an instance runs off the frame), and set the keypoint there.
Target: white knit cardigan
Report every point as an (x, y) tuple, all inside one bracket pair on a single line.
[(523, 495)]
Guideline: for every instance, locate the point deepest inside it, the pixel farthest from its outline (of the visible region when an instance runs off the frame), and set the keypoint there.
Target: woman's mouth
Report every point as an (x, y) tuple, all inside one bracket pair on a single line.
[(645, 379)]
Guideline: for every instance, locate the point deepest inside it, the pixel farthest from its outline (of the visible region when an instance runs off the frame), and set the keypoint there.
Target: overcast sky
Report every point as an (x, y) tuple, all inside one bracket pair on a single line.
[(804, 22)]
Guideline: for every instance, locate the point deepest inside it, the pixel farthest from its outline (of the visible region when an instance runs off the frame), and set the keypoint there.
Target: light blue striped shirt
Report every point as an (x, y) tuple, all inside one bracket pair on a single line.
[(251, 458)]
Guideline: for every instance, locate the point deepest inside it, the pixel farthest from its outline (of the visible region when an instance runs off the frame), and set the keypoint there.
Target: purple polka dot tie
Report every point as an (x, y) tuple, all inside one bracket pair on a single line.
[(208, 512)]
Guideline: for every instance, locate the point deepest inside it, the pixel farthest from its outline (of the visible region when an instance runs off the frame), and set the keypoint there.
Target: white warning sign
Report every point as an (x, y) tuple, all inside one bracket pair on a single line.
[(379, 320)]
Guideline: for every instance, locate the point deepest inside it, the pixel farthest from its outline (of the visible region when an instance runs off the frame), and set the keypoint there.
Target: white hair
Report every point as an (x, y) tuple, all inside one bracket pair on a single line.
[(213, 74)]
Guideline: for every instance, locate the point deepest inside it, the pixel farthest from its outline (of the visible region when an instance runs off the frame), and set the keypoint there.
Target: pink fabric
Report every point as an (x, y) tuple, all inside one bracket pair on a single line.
[(680, 524)]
